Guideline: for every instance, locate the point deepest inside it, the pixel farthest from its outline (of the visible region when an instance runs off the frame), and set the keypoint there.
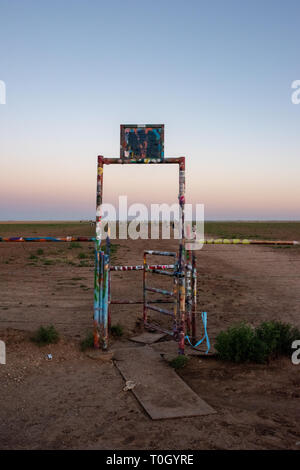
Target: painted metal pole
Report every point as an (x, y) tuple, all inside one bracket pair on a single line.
[(211, 241), (100, 305), (108, 281), (161, 253), (245, 241), (47, 239), (181, 260), (188, 280), (154, 161), (139, 302), (194, 289), (97, 296), (105, 301), (141, 267), (160, 310), (159, 271), (175, 304), (144, 289)]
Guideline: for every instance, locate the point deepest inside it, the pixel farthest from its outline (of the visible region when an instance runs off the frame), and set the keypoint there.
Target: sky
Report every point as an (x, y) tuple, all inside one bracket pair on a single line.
[(218, 74)]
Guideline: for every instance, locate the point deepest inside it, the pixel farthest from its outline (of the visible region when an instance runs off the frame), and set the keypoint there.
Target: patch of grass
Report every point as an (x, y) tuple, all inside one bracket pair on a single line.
[(48, 262), (179, 362), (32, 257), (45, 335), (242, 343), (82, 256), (87, 342), (76, 278), (74, 245), (117, 330), (39, 251), (82, 264)]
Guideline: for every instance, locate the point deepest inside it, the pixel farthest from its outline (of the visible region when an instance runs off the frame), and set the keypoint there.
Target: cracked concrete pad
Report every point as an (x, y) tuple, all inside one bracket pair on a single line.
[(161, 392)]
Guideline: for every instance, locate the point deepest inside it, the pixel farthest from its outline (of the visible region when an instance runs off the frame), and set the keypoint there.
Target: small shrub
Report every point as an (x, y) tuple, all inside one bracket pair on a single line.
[(45, 335), (48, 262), (40, 251), (32, 257), (117, 330), (241, 344), (87, 342), (82, 256), (179, 362), (277, 336)]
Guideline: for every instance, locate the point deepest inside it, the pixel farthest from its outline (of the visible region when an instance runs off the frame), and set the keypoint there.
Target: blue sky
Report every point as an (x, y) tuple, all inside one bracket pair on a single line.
[(218, 74)]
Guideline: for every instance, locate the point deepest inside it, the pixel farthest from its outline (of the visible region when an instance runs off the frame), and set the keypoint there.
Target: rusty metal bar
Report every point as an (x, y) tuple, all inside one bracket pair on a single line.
[(160, 253), (215, 241), (160, 310), (132, 302), (159, 291), (158, 328), (141, 267), (147, 161), (159, 271)]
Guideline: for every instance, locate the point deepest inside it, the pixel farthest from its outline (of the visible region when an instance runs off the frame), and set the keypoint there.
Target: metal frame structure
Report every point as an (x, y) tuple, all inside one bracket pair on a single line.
[(101, 313), (183, 270)]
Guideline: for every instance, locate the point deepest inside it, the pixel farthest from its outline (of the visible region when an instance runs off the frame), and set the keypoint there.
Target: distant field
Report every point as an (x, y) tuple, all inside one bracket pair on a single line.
[(46, 228), (255, 230)]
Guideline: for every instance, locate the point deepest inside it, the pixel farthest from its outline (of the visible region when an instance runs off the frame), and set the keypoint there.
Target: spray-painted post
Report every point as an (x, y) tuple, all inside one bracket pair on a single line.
[(181, 260), (98, 320), (194, 294)]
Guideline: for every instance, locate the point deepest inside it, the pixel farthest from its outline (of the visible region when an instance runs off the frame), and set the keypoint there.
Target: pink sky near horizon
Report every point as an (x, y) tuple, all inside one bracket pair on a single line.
[(51, 191)]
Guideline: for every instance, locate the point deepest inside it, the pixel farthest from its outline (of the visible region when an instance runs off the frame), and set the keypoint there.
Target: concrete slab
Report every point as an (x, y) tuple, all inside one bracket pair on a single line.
[(147, 338), (161, 392)]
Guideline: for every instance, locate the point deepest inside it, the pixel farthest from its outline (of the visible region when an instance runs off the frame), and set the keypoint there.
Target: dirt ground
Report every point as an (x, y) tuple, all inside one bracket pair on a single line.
[(75, 402)]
